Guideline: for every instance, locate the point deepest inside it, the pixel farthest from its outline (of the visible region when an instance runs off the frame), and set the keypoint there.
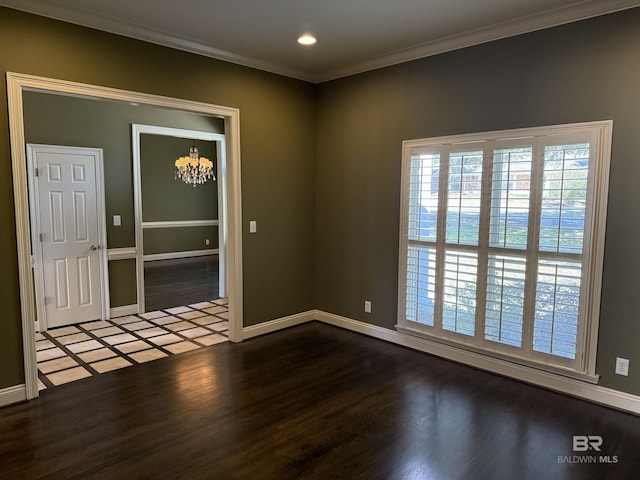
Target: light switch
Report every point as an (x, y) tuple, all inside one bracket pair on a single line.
[(116, 221), (253, 226)]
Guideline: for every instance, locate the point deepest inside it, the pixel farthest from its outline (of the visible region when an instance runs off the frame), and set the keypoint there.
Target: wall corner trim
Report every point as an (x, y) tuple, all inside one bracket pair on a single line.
[(14, 394)]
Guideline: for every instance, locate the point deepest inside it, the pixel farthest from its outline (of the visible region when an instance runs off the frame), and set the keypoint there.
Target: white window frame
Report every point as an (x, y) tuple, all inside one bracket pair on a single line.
[(583, 367)]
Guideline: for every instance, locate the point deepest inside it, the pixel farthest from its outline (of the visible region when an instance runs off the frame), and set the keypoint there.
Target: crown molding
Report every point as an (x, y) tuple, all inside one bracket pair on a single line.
[(572, 13), (139, 32), (531, 23)]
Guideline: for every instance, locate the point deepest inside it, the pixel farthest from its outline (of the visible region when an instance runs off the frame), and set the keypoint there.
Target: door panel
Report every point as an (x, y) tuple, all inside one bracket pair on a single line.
[(61, 285), (84, 281), (80, 215), (56, 209)]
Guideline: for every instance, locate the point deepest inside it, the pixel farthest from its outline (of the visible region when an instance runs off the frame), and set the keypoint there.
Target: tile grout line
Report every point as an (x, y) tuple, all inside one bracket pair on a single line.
[(180, 319), (68, 353), (190, 321), (107, 345), (195, 325), (130, 332), (45, 380), (157, 325)]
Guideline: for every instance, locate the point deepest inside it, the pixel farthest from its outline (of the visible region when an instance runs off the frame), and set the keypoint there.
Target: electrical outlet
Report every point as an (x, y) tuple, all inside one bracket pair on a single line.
[(622, 366), (207, 242), (367, 306)]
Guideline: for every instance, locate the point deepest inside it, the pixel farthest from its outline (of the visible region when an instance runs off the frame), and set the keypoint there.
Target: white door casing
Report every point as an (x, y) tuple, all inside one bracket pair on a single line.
[(16, 84), (68, 234)]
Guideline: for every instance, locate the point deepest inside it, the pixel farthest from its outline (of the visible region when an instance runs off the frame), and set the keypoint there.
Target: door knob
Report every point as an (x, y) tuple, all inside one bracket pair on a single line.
[(94, 248)]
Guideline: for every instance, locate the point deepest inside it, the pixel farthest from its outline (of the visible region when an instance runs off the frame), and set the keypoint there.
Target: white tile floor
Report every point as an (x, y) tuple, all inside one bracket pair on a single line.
[(71, 353)]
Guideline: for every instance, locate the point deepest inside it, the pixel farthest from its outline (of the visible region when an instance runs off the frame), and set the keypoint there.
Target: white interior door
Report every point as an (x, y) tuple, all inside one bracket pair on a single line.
[(68, 234)]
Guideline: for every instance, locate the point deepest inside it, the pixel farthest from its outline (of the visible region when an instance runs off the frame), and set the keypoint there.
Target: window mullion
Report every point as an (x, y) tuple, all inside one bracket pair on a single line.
[(441, 235), (533, 240), (483, 240)]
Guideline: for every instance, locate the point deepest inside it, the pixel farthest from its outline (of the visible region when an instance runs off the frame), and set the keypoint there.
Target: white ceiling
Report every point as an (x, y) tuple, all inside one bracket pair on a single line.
[(353, 35)]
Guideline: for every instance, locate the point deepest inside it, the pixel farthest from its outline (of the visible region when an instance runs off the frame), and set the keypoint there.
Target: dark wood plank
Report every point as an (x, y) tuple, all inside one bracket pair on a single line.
[(309, 402), (183, 281)]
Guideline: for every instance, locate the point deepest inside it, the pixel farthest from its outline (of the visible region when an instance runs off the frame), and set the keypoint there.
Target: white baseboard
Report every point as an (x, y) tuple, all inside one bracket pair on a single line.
[(14, 394), (174, 255), (278, 324), (123, 311), (576, 388)]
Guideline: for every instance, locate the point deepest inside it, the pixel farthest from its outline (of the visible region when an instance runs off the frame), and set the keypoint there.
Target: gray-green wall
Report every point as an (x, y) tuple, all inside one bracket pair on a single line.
[(179, 239), (579, 72), (277, 144)]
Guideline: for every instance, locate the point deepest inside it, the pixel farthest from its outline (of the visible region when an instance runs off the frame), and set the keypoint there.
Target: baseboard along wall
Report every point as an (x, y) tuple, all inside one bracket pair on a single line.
[(14, 394), (123, 311)]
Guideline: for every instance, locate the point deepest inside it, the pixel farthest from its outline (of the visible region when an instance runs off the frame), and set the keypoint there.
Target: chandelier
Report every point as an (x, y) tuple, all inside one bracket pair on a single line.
[(194, 169)]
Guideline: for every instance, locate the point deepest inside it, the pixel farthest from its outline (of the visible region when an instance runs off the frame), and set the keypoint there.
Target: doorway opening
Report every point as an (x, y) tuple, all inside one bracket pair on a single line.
[(17, 84), (177, 221)]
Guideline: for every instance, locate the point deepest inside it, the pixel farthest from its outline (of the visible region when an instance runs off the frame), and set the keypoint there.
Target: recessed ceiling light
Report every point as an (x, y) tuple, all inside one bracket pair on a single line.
[(307, 39)]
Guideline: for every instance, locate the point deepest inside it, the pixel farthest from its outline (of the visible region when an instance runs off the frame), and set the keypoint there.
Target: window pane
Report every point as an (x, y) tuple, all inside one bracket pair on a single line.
[(463, 206), (423, 196), (460, 281), (564, 195), (557, 308), (510, 194), (505, 299), (421, 285)]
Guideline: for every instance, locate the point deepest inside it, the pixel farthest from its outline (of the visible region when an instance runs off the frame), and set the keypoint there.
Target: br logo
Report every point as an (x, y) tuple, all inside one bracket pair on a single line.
[(583, 443)]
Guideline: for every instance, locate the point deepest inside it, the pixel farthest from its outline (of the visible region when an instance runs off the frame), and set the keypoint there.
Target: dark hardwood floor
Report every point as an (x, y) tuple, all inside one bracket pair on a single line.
[(312, 402), (183, 281)]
